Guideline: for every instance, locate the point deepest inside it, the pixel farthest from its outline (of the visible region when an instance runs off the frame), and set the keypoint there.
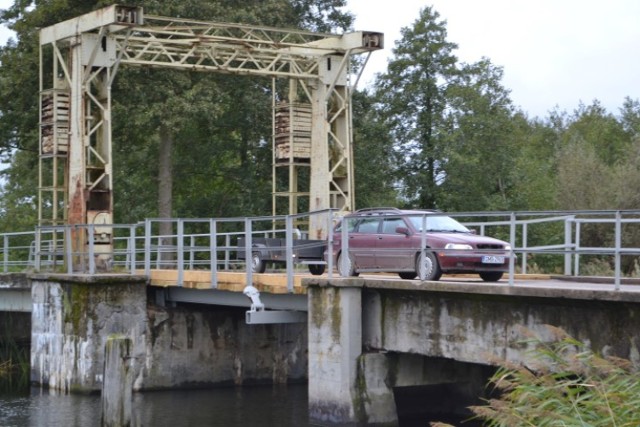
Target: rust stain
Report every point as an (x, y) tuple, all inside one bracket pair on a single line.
[(75, 214)]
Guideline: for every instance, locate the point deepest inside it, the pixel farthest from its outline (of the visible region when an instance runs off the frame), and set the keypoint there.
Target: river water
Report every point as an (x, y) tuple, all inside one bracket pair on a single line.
[(261, 406)]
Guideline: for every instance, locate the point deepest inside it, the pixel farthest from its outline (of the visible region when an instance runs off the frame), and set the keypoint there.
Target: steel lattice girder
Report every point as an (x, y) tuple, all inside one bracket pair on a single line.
[(220, 47)]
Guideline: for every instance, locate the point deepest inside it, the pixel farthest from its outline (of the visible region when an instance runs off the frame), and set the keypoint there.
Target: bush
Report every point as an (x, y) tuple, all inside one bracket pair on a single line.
[(569, 386)]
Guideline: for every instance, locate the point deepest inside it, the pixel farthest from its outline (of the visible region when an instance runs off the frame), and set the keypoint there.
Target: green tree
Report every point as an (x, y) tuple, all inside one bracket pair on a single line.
[(480, 142), (373, 154), (216, 149), (413, 92)]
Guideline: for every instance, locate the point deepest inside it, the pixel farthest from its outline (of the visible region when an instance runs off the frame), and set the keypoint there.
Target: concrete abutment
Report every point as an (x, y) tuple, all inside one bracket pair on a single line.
[(443, 339), (171, 347)]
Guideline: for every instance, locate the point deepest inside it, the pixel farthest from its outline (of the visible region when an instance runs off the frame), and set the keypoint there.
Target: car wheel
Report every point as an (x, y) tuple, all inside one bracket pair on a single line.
[(491, 276), (408, 275), (349, 270), (258, 265), (316, 269), (427, 267)]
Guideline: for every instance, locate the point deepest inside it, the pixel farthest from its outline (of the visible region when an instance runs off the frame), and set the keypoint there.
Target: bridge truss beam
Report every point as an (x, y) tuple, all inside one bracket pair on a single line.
[(88, 50)]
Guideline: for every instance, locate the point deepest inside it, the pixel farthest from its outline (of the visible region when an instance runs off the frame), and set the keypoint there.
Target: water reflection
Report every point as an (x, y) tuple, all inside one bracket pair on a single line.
[(247, 406)]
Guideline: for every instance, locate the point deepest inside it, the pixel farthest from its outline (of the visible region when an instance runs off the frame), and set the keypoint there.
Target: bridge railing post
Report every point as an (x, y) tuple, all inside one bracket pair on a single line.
[(576, 256), (512, 243), (131, 249), (69, 248), (422, 271), (345, 259), (5, 253), (180, 252), (248, 244), (147, 247), (618, 243), (568, 245), (525, 231), (289, 251), (92, 260), (213, 252)]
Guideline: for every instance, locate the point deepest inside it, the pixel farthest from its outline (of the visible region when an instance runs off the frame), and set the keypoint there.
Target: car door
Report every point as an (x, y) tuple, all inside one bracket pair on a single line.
[(393, 250), (362, 242)]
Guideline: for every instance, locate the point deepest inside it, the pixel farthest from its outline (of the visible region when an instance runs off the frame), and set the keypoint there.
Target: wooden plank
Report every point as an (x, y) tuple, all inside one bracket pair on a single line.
[(227, 281)]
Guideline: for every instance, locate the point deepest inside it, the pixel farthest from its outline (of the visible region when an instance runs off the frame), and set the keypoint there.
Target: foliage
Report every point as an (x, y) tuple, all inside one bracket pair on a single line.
[(373, 154), (220, 160), (431, 133), (570, 385), (413, 93)]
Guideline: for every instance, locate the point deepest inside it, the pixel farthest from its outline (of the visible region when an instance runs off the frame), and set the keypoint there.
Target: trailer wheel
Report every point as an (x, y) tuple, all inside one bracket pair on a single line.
[(316, 269), (258, 265)]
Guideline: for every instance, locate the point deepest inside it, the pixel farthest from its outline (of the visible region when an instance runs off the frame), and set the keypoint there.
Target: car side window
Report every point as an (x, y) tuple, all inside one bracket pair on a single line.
[(368, 225), (390, 224)]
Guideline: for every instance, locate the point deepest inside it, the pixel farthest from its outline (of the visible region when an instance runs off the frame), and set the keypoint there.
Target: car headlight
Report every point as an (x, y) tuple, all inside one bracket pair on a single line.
[(458, 246), (507, 247)]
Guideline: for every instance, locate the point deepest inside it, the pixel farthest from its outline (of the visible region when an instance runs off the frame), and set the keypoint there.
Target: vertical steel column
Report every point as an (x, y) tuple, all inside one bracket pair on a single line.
[(77, 209), (320, 176)]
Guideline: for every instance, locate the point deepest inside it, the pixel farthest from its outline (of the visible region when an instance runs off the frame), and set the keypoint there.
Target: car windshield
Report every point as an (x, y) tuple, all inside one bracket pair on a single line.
[(439, 223)]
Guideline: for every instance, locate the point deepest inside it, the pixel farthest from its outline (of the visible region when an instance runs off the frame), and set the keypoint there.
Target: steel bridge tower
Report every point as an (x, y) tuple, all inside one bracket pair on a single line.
[(79, 59)]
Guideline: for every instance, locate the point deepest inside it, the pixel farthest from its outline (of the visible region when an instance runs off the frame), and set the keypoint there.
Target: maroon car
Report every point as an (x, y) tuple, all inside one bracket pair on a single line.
[(391, 240)]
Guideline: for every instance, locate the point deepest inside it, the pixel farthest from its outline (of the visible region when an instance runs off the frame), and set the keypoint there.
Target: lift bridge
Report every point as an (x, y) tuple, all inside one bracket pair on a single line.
[(79, 60)]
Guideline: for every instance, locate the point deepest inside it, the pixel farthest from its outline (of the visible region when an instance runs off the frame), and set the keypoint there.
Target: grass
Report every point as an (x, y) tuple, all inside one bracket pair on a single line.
[(569, 386)]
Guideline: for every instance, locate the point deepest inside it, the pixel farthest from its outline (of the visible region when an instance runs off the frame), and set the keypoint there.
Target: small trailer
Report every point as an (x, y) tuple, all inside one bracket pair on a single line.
[(266, 250)]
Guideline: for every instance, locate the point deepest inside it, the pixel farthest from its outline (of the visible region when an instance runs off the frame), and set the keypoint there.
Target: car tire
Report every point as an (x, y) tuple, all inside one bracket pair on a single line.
[(316, 269), (427, 267), (491, 276), (350, 271), (258, 265), (408, 275)]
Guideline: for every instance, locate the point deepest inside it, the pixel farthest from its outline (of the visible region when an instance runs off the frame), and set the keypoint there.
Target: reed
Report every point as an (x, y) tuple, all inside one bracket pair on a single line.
[(570, 385)]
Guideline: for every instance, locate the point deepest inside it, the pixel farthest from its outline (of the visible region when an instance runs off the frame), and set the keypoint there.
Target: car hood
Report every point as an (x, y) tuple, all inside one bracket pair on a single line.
[(468, 238)]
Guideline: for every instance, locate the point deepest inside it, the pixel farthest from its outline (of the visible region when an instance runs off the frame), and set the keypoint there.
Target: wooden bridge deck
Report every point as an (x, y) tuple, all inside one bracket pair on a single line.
[(275, 283)]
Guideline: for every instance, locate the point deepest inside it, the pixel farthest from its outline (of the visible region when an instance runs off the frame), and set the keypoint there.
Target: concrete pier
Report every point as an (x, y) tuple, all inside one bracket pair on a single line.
[(183, 346), (118, 383)]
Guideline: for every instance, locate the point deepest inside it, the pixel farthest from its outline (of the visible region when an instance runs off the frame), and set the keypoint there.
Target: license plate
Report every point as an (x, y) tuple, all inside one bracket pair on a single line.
[(490, 259)]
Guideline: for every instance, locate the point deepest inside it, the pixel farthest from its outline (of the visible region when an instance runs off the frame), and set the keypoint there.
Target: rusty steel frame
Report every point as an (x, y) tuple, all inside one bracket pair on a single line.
[(119, 35)]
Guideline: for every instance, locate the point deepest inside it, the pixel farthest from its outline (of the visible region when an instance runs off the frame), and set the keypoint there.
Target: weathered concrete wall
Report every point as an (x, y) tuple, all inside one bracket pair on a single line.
[(71, 320), (484, 328), (197, 345), (185, 346), (335, 328), (356, 324), (15, 293), (379, 373)]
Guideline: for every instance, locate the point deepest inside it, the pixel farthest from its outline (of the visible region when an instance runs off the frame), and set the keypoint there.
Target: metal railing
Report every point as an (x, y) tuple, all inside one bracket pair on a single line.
[(214, 244)]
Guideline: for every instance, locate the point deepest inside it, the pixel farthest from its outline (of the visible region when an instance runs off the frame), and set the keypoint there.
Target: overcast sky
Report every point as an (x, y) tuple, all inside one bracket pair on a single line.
[(554, 52)]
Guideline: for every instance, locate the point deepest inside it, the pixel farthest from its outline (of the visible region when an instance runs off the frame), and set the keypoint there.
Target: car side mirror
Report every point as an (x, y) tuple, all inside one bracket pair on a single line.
[(473, 231), (402, 230)]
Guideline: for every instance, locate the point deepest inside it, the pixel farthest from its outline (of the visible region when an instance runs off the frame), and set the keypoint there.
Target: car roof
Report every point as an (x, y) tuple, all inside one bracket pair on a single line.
[(388, 211)]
